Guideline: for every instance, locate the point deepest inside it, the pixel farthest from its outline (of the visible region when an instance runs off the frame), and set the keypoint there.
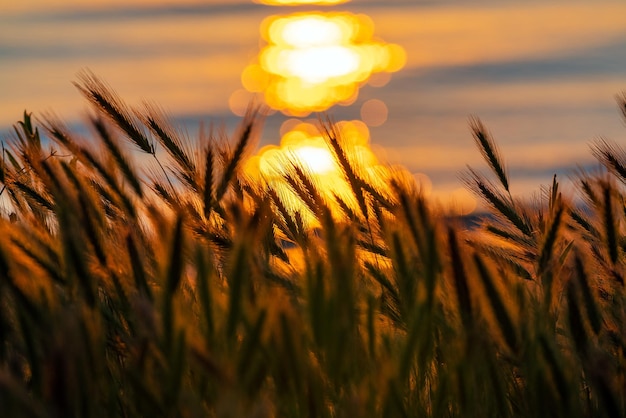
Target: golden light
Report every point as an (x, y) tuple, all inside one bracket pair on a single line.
[(313, 61), (300, 2), (318, 160), (239, 102), (303, 145)]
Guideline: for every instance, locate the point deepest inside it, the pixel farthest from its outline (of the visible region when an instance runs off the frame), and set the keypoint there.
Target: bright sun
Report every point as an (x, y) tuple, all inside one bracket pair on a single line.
[(317, 160), (313, 61), (303, 144)]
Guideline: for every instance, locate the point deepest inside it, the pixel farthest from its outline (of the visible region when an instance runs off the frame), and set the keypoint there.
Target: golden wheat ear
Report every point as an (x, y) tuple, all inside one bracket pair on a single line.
[(114, 149), (176, 144), (611, 156), (107, 102), (502, 204), (332, 137), (234, 160)]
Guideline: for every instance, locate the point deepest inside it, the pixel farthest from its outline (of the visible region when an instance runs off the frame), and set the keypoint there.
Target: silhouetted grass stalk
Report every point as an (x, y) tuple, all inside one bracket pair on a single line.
[(211, 296)]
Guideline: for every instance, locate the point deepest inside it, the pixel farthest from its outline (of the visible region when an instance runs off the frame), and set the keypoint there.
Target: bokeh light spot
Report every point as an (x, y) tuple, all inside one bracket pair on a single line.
[(254, 79), (317, 159), (374, 112), (379, 79), (239, 101), (313, 61), (289, 125)]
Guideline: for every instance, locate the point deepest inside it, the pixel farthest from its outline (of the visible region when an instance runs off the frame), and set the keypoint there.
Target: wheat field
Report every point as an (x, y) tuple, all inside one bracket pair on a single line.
[(143, 273)]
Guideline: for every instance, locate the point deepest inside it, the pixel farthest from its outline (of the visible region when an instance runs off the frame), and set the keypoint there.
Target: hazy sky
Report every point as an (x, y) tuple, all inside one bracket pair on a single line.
[(542, 75)]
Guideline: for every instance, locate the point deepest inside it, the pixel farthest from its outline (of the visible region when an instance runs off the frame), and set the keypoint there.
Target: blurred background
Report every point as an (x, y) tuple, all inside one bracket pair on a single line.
[(542, 76)]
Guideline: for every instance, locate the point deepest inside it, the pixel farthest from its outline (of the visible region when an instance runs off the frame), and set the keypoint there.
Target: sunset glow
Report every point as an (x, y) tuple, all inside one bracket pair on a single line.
[(313, 61), (303, 145), (318, 160), (300, 2), (559, 69)]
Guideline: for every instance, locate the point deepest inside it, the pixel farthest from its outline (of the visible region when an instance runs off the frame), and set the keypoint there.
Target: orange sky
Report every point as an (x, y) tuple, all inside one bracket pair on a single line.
[(543, 76), (451, 36)]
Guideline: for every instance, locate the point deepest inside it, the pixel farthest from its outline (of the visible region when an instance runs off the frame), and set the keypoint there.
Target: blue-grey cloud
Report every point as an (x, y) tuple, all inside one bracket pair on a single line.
[(601, 60), (133, 12), (103, 49)]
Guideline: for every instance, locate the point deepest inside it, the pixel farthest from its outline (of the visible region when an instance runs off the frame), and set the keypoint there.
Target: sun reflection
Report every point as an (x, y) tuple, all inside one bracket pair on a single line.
[(317, 160), (315, 60), (300, 2), (311, 61), (303, 145)]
